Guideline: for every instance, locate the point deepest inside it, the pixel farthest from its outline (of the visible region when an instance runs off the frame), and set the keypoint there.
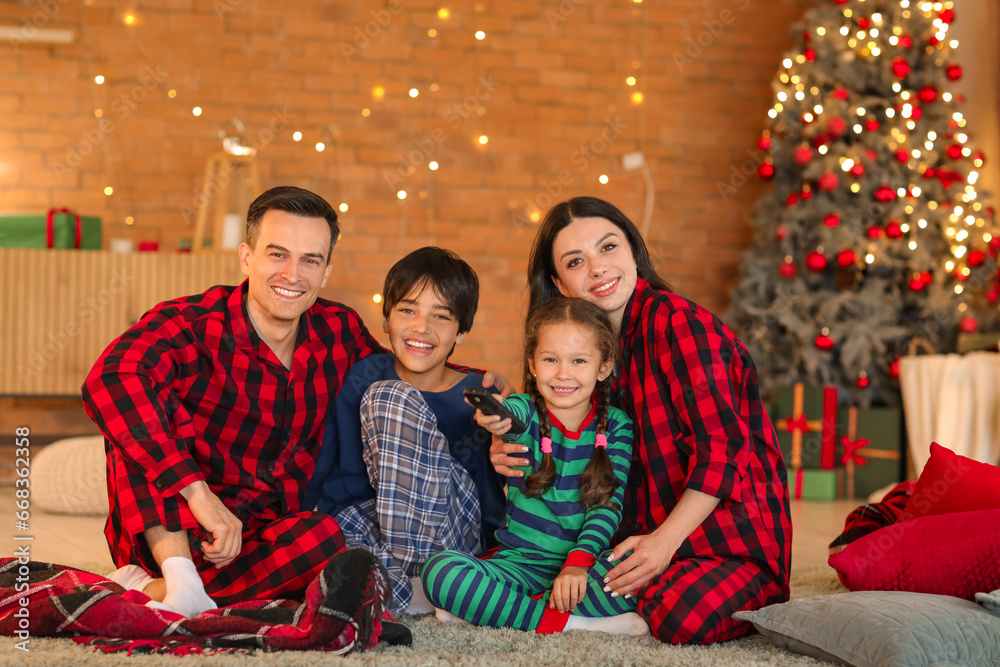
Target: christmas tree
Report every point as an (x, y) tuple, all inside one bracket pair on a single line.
[(874, 233)]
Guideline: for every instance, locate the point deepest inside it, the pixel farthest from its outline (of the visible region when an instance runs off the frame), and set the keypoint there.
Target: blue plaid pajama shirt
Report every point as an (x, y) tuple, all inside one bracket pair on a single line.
[(425, 502)]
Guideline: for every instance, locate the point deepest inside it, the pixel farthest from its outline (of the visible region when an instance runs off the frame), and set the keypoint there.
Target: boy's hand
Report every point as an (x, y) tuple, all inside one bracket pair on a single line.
[(493, 379), (568, 589)]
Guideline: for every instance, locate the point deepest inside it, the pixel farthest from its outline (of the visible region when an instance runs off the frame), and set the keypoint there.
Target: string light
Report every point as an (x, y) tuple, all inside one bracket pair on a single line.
[(483, 139), (98, 79), (444, 13), (414, 92), (129, 220), (432, 33), (603, 178), (823, 149), (130, 19), (109, 191), (366, 112), (433, 166), (637, 97), (378, 92), (480, 35), (630, 81), (196, 111), (401, 194), (377, 298), (320, 147), (171, 93), (98, 112), (535, 216), (297, 136)]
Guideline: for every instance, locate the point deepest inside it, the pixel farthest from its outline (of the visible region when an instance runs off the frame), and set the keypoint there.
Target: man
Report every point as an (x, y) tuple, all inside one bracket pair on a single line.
[(212, 407)]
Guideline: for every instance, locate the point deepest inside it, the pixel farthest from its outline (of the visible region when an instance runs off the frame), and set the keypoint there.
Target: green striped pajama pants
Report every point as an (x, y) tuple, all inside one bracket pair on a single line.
[(511, 589)]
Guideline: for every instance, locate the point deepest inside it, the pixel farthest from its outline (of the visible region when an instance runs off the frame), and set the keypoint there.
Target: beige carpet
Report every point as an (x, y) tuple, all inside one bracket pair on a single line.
[(438, 644)]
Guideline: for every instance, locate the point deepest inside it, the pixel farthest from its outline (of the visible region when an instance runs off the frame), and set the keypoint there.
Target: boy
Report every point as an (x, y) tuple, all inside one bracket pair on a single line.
[(404, 469)]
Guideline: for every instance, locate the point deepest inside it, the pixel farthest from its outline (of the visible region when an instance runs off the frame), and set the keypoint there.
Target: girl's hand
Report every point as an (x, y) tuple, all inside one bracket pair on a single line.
[(650, 557), (568, 589), (500, 453)]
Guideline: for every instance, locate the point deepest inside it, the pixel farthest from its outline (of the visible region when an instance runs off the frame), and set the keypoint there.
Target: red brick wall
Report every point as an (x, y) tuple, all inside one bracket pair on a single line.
[(556, 74)]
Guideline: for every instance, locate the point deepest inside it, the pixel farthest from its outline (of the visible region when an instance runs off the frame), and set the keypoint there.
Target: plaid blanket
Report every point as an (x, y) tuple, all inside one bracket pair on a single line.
[(869, 518), (343, 610)]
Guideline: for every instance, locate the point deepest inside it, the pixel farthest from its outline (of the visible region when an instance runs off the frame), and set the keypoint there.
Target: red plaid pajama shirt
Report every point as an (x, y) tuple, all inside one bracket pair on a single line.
[(191, 393), (691, 388)]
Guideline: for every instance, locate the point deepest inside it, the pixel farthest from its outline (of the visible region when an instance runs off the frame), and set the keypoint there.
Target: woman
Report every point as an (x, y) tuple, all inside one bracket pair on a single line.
[(708, 492)]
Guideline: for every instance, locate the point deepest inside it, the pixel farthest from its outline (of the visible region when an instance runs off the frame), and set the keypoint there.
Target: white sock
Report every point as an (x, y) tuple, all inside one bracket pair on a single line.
[(623, 624), (185, 593), (131, 578), (448, 617), (419, 604)]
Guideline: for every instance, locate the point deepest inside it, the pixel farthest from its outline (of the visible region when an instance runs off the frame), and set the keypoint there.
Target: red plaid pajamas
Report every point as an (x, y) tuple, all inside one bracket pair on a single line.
[(191, 393), (691, 388)]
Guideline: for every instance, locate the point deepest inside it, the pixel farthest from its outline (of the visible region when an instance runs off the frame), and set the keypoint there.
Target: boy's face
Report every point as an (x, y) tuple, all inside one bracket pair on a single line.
[(422, 331)]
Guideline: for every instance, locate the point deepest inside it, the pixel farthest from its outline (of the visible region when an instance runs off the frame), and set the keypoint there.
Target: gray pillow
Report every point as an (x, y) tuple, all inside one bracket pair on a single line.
[(883, 628)]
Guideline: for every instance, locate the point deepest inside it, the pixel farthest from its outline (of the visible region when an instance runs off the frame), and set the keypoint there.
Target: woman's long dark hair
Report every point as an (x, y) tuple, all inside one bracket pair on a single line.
[(597, 481), (541, 267)]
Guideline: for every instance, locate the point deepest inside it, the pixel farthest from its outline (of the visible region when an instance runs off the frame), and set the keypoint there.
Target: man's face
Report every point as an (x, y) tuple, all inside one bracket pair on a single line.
[(286, 267)]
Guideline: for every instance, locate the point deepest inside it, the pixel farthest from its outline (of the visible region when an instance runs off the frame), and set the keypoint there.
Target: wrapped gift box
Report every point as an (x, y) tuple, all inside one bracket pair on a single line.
[(805, 419), (60, 228), (872, 446), (816, 484)]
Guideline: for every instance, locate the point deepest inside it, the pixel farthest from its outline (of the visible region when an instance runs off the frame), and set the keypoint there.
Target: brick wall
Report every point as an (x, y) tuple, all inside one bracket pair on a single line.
[(547, 85)]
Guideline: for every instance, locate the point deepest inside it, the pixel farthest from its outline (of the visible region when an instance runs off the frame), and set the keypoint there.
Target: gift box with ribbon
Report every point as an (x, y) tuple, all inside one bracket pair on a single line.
[(816, 484), (805, 419), (871, 450), (59, 228)]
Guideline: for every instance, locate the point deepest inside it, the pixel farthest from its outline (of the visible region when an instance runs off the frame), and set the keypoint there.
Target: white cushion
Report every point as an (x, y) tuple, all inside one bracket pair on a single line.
[(70, 477)]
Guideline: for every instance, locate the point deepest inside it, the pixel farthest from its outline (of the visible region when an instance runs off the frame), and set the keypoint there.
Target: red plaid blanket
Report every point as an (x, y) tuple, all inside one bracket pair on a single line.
[(343, 611)]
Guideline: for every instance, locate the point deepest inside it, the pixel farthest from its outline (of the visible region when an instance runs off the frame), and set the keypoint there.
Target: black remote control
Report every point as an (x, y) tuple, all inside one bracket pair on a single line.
[(490, 405)]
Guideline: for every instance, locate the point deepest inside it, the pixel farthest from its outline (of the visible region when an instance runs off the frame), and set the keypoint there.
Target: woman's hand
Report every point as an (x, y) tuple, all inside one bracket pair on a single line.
[(650, 557), (501, 453), (493, 379), (568, 589)]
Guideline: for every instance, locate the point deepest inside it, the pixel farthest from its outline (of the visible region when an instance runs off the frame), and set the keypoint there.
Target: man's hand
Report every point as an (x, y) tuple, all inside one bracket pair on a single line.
[(493, 379), (500, 454), (650, 557), (568, 589), (226, 530)]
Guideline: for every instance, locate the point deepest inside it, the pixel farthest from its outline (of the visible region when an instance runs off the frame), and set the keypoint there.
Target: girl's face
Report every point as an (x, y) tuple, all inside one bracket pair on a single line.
[(594, 261), (567, 365)]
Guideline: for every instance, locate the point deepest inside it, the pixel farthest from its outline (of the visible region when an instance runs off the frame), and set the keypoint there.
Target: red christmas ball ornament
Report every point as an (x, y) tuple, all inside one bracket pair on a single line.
[(995, 243), (917, 113), (884, 194), (902, 156), (960, 98), (764, 143), (840, 94), (864, 22), (959, 276), (824, 342), (893, 230), (806, 194), (894, 368), (979, 156), (870, 154), (766, 171), (846, 257), (900, 67), (875, 232), (862, 381), (871, 125), (926, 277), (788, 270), (993, 295), (836, 126), (929, 172), (947, 16), (803, 154), (793, 199), (810, 55), (858, 170), (927, 94), (916, 284), (905, 41), (840, 2), (954, 151), (816, 261), (827, 181), (953, 71), (976, 257), (782, 233), (831, 220), (933, 40), (969, 325)]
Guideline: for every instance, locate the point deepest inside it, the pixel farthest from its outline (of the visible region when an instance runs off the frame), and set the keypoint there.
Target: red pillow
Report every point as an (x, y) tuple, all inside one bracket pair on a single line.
[(953, 483), (945, 554)]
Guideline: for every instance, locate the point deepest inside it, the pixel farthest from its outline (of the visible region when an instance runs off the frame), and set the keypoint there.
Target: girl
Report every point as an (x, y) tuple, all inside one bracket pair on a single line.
[(708, 493), (562, 516)]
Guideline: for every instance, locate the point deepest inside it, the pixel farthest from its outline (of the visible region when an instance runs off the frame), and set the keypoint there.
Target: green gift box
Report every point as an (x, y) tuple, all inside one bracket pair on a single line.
[(872, 443), (817, 484), (59, 228), (805, 420)]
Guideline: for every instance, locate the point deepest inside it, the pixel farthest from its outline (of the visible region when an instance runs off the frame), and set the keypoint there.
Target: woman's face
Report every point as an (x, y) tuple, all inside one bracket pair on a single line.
[(594, 261)]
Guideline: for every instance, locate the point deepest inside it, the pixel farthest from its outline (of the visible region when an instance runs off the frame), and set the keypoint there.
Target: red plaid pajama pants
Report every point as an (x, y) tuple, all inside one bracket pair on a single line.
[(279, 556), (693, 601)]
